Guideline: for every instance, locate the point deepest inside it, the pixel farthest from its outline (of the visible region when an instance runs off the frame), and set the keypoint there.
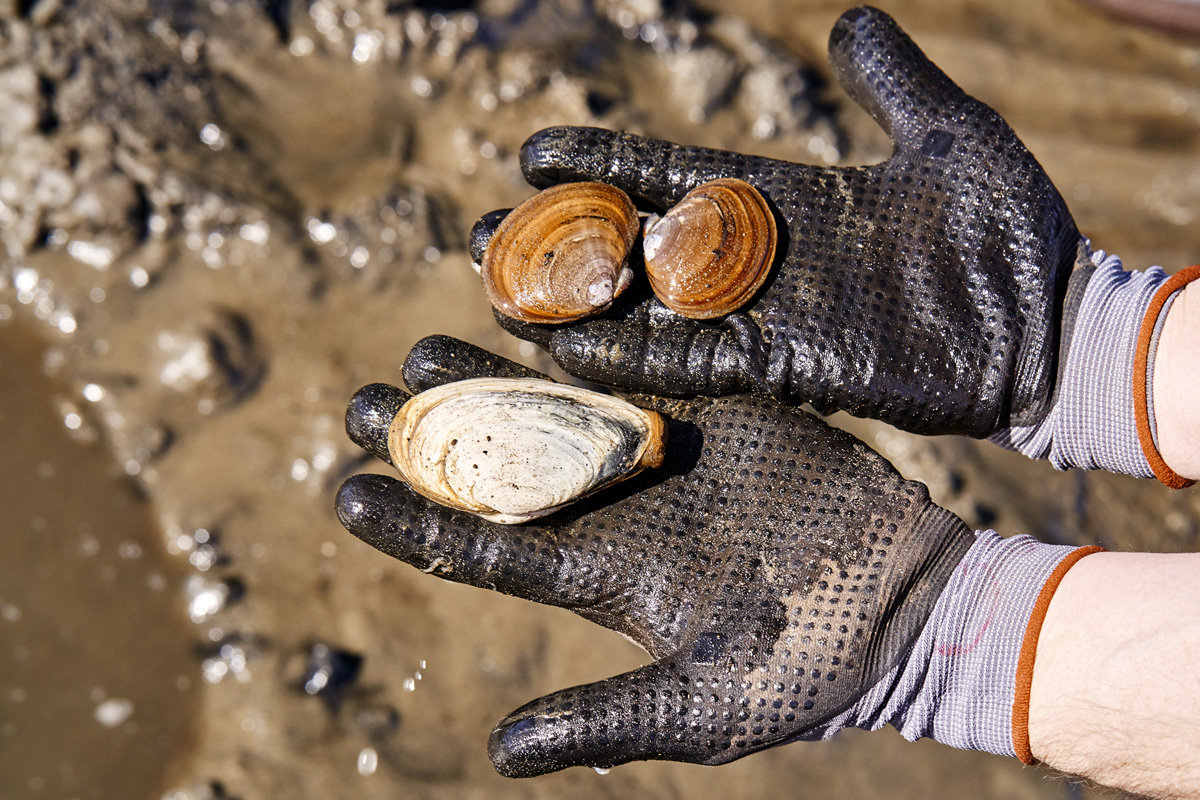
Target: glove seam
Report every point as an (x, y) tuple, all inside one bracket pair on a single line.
[(1028, 655), (1026, 407), (1141, 363), (1076, 289)]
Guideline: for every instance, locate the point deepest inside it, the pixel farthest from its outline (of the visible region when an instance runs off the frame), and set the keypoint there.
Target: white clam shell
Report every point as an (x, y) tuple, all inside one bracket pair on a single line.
[(510, 450)]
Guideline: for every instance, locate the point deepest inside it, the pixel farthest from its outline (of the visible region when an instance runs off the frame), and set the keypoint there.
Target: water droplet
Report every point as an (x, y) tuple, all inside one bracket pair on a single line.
[(210, 134), (90, 253), (113, 712), (421, 86), (368, 761), (299, 469), (300, 46)]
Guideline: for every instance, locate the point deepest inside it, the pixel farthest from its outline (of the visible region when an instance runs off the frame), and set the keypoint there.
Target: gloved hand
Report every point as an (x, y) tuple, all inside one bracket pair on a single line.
[(926, 291), (785, 579)]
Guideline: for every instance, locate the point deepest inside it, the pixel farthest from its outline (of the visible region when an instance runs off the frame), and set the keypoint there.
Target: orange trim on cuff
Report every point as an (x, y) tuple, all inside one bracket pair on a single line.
[(1141, 359), (1020, 710)]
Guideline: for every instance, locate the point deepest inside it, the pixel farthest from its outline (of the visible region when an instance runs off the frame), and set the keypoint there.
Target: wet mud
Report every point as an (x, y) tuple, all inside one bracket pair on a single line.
[(100, 689), (220, 218)]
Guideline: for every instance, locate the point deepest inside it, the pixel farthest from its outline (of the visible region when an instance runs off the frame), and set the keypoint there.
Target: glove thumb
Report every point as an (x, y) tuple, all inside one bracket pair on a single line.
[(638, 715), (883, 71)]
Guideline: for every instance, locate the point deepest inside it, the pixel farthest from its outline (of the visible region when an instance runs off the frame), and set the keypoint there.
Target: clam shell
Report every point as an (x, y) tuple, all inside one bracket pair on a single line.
[(709, 254), (561, 254), (512, 449)]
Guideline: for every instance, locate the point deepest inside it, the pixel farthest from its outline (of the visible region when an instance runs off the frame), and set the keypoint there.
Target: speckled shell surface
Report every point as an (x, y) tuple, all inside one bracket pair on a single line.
[(511, 450), (561, 254), (709, 254)]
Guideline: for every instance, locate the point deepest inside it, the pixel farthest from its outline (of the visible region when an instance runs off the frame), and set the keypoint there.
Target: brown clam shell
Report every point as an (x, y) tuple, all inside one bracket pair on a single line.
[(561, 254), (709, 254)]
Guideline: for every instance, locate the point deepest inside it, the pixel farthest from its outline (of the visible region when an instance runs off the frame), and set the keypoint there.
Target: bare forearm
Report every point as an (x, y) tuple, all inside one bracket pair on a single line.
[(1116, 692), (1177, 384)]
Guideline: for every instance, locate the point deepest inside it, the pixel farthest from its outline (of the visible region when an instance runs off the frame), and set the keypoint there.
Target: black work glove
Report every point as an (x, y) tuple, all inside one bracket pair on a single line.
[(925, 291), (774, 568)]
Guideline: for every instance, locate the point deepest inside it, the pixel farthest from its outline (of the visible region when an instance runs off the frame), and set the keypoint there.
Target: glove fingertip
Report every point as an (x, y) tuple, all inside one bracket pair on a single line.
[(388, 515), (369, 415), (885, 72), (523, 747), (863, 22), (542, 155), (591, 725), (482, 232), (845, 24), (508, 748), (361, 503)]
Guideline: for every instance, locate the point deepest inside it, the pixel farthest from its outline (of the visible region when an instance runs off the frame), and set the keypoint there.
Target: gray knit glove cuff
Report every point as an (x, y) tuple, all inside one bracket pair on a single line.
[(1091, 423), (966, 680)]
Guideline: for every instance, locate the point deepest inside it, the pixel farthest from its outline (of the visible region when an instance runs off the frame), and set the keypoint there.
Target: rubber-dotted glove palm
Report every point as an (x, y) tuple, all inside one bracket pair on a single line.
[(925, 291), (774, 568)]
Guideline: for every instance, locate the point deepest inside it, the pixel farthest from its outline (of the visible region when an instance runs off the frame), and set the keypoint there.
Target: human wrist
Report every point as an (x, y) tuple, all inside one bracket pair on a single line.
[(1114, 695), (1176, 381)]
